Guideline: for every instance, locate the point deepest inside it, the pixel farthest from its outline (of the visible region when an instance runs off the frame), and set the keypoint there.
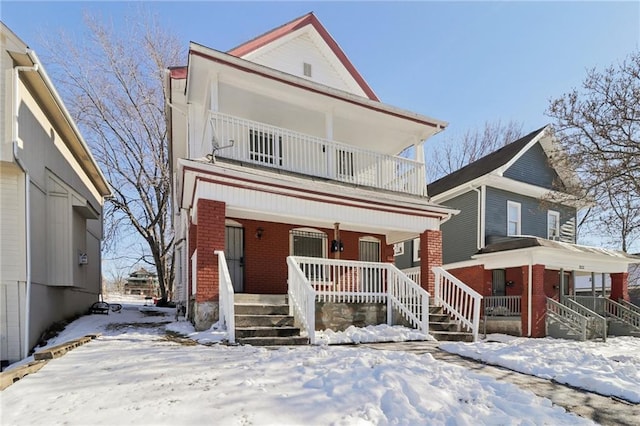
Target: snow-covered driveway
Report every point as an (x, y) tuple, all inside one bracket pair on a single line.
[(134, 375)]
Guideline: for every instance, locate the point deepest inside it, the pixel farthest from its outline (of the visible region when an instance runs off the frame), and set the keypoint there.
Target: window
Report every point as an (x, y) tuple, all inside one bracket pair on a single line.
[(513, 218), (263, 149), (416, 250), (398, 249), (308, 242), (553, 225), (306, 69)]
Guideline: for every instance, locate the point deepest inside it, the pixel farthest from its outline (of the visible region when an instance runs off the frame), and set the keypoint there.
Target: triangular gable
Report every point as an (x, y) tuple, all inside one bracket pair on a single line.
[(305, 40)]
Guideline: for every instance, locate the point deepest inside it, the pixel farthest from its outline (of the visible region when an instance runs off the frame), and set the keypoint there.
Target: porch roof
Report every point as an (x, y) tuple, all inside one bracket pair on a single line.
[(253, 193), (526, 250)]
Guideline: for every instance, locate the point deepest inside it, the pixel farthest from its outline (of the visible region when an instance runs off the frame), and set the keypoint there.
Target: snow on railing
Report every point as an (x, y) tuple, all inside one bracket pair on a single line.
[(458, 300), (345, 281), (271, 146), (227, 312)]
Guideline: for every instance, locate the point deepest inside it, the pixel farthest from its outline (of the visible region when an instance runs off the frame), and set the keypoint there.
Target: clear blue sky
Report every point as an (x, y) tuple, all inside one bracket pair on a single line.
[(462, 62)]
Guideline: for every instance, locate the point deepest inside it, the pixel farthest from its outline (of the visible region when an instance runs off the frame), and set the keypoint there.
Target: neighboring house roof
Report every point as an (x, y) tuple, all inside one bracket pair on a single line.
[(484, 165), (296, 24), (41, 87)]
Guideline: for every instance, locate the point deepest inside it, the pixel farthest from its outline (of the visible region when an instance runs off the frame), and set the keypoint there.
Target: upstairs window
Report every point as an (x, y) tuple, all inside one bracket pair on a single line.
[(513, 218), (265, 147), (553, 225)]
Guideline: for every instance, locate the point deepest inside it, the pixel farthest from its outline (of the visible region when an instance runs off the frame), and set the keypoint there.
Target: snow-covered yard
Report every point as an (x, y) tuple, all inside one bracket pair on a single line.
[(134, 374), (608, 368)]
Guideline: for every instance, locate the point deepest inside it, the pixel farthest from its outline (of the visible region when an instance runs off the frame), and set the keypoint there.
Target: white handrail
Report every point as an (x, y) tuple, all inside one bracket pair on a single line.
[(413, 273), (346, 281), (302, 299), (227, 311), (271, 146), (458, 299)]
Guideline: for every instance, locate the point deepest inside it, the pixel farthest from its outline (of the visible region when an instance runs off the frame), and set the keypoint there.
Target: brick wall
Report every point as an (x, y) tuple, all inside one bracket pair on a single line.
[(209, 237), (619, 286), (538, 300), (265, 270), (430, 256), (475, 277)]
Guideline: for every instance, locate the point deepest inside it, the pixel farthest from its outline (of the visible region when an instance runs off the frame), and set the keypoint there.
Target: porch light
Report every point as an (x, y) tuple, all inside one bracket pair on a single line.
[(259, 232)]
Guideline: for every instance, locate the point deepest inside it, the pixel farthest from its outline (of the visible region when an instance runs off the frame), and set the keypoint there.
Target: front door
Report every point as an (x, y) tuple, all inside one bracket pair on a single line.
[(498, 287), (234, 252)]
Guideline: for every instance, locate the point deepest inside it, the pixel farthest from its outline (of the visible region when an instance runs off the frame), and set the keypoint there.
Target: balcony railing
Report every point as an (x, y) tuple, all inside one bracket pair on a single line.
[(284, 149)]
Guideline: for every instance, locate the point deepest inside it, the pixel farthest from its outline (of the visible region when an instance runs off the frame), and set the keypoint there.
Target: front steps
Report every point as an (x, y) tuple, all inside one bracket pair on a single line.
[(263, 320), (443, 328)]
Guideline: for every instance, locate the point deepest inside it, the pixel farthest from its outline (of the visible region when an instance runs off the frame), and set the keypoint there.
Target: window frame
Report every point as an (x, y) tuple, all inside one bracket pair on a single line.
[(416, 249), (556, 214), (518, 221), (398, 249)]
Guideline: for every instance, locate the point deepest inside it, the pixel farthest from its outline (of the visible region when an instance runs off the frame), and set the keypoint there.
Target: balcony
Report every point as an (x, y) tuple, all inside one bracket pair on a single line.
[(283, 149)]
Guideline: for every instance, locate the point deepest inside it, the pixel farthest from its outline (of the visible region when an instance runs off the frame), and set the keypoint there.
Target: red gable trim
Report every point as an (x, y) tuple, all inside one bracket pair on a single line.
[(179, 73), (308, 19), (311, 89)]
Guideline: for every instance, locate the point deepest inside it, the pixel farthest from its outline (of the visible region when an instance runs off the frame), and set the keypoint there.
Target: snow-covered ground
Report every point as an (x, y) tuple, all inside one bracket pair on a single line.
[(134, 374), (608, 368)]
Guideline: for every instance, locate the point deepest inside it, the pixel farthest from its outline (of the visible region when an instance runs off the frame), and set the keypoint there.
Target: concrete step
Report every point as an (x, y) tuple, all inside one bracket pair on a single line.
[(243, 332), (443, 326), (263, 321), (274, 341), (452, 336), (439, 318), (268, 299), (433, 309), (260, 309)]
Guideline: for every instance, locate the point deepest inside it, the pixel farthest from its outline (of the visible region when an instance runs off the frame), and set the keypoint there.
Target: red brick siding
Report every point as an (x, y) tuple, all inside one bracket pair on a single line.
[(619, 286), (210, 237), (475, 277), (430, 256), (193, 242), (265, 259)]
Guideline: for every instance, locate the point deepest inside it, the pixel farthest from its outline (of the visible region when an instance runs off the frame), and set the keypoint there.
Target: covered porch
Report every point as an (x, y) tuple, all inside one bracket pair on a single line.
[(262, 221), (528, 285)]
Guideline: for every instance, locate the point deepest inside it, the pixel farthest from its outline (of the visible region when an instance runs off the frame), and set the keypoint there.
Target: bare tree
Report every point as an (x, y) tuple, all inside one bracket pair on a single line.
[(456, 152), (112, 81), (598, 127)]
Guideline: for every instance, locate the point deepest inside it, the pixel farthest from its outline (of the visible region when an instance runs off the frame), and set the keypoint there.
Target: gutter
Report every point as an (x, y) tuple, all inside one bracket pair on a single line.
[(27, 201)]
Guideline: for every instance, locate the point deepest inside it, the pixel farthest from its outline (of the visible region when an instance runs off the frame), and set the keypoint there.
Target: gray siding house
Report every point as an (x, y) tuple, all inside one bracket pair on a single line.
[(510, 242)]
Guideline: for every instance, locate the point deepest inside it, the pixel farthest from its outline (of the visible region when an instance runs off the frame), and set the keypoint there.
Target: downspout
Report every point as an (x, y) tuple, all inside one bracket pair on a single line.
[(27, 202), (529, 295), (479, 244)]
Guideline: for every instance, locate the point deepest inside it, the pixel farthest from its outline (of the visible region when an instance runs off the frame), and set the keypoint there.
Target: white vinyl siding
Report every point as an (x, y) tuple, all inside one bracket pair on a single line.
[(553, 225), (12, 308), (514, 224), (12, 226), (291, 56), (59, 228)]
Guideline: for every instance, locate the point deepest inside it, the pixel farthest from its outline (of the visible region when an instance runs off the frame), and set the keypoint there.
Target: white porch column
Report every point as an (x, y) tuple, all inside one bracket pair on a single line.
[(419, 154), (213, 93), (329, 151)]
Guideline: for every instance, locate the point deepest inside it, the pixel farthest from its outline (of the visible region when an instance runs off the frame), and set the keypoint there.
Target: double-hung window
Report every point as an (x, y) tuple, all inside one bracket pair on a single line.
[(553, 225), (513, 218)]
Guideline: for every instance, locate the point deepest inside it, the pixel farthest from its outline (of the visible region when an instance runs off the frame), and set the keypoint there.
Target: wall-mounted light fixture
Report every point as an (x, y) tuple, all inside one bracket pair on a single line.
[(259, 232), (510, 283)]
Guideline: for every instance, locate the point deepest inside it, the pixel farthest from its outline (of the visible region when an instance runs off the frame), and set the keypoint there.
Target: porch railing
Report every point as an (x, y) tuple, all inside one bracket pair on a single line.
[(413, 273), (502, 306), (568, 317), (596, 324), (314, 279), (227, 312), (271, 146), (458, 300)]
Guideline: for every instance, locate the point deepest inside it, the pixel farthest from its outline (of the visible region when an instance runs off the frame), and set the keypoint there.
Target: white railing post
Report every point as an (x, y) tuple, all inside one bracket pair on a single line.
[(227, 311), (390, 289)]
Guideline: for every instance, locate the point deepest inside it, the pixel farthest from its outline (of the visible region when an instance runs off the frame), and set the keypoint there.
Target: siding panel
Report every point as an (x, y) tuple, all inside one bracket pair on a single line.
[(533, 168), (460, 233)]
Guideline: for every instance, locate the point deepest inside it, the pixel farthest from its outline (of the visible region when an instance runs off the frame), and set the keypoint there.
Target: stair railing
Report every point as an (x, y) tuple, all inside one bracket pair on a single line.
[(302, 299), (227, 312), (346, 281), (458, 300), (567, 316), (597, 324), (629, 305), (622, 313)]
